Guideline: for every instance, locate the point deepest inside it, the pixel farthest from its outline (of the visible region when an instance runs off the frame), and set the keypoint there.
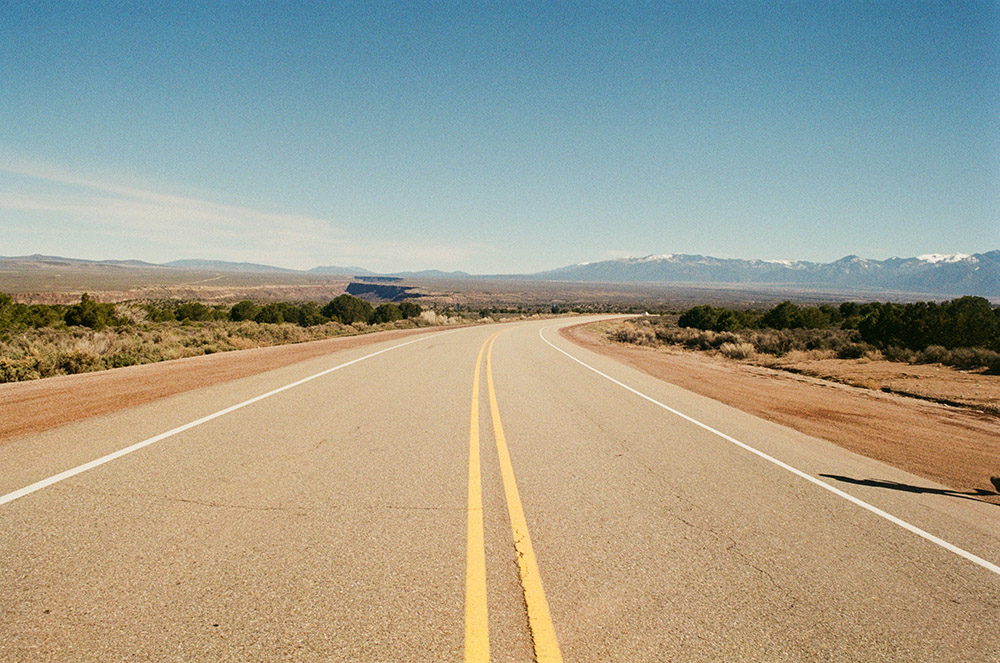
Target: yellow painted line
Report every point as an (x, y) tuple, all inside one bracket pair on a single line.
[(543, 634), (477, 629)]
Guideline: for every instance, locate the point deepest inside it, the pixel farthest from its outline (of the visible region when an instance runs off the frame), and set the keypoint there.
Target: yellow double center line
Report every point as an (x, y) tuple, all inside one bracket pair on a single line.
[(477, 637)]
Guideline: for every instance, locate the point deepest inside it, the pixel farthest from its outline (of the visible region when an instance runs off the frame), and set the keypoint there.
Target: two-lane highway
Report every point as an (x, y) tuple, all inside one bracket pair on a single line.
[(355, 507)]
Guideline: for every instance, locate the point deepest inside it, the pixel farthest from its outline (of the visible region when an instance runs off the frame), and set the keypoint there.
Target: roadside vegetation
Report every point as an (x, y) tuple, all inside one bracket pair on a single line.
[(963, 333), (42, 340)]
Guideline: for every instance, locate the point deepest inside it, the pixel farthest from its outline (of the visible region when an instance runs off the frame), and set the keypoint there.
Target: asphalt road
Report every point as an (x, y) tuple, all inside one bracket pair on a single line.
[(339, 519)]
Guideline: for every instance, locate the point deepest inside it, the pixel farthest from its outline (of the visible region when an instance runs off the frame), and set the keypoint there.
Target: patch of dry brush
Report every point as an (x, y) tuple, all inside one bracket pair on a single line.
[(46, 352)]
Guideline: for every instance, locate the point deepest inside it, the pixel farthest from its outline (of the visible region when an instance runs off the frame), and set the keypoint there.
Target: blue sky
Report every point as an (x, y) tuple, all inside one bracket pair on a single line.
[(500, 137)]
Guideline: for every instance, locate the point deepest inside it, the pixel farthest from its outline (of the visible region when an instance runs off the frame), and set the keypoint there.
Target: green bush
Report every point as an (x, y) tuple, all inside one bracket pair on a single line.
[(244, 310), (348, 309), (270, 314), (78, 361), (89, 313), (193, 311), (387, 312)]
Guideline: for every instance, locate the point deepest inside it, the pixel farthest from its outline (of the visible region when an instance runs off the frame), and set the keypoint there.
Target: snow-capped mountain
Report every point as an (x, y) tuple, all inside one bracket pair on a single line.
[(933, 273)]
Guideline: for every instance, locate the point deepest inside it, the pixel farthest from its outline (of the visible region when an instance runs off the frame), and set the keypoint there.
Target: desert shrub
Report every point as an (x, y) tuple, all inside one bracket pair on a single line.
[(725, 337), (702, 340), (14, 370), (431, 317), (972, 357), (854, 351), (122, 359), (637, 335), (78, 361), (896, 353), (777, 342), (933, 354), (737, 350)]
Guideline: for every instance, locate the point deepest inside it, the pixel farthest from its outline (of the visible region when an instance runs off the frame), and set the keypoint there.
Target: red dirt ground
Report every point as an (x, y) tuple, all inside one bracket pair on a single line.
[(37, 405), (958, 447)]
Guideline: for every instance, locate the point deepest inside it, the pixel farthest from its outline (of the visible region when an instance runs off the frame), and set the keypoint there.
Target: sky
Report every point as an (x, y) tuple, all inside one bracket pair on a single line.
[(498, 137)]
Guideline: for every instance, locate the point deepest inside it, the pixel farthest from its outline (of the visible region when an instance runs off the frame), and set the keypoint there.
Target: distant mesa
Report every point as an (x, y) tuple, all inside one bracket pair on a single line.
[(379, 279), (381, 292)]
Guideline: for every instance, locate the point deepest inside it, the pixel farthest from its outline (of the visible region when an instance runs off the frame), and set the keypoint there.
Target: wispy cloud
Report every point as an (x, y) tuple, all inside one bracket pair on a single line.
[(144, 208), (203, 227)]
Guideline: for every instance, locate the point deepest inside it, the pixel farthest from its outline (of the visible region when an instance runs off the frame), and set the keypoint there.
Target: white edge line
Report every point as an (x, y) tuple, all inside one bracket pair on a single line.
[(989, 566), (44, 483)]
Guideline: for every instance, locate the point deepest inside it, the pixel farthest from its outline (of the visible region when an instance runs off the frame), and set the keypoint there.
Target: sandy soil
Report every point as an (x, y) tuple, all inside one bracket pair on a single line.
[(930, 381), (958, 447), (37, 405)]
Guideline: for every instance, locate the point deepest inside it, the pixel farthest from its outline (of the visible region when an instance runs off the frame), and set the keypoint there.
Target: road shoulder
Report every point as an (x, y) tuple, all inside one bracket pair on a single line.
[(953, 446), (39, 405)]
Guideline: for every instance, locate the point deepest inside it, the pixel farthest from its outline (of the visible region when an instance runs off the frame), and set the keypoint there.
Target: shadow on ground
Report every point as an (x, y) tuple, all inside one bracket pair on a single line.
[(909, 488)]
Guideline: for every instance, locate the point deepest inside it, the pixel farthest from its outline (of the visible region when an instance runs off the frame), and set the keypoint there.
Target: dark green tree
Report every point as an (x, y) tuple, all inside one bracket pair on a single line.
[(244, 310), (410, 309), (6, 310), (699, 317), (193, 311), (348, 309), (270, 313), (785, 315), (387, 312), (89, 313), (310, 314)]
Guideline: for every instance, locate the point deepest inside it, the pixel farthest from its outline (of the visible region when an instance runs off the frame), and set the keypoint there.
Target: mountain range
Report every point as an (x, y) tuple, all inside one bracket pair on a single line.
[(935, 273)]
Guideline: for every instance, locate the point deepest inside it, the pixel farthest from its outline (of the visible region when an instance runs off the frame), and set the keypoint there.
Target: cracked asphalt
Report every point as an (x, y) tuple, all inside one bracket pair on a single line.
[(328, 522)]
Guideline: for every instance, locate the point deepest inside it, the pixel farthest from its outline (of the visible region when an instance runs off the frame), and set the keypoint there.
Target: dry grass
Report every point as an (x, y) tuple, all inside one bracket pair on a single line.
[(836, 358), (45, 352)]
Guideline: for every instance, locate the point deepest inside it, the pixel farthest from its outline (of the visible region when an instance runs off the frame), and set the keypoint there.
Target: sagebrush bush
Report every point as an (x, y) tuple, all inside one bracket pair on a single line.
[(45, 351), (896, 353), (933, 354), (854, 351), (777, 342), (969, 358), (634, 334), (737, 350)]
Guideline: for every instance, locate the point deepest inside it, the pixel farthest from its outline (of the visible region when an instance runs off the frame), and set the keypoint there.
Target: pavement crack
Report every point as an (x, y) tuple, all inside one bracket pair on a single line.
[(407, 507), (225, 505), (214, 504), (732, 549)]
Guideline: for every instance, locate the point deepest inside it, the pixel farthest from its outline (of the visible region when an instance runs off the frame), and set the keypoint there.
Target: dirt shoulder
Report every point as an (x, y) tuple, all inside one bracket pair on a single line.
[(957, 447), (933, 382), (37, 405)]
